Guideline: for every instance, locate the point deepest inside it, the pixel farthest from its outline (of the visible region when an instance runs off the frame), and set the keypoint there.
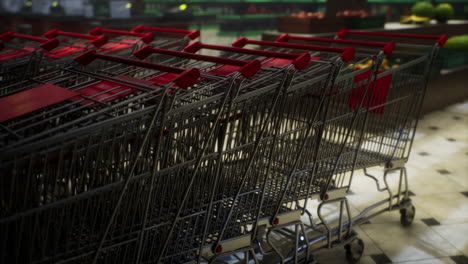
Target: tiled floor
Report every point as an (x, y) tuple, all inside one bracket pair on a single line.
[(438, 178)]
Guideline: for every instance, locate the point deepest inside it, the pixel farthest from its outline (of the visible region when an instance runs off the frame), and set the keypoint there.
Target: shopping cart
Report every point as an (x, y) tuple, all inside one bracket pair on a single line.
[(125, 40), (118, 46), (124, 37), (391, 119), (19, 55), (381, 118), (170, 37), (71, 45)]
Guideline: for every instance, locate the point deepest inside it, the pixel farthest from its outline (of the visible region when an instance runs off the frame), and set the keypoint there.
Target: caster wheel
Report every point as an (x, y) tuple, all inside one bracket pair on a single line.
[(407, 215), (354, 250)]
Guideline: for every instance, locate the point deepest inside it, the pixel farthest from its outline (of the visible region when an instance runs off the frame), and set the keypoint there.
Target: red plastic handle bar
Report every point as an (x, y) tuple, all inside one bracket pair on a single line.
[(387, 47), (300, 61), (346, 53), (185, 79), (247, 68), (145, 37), (47, 44), (441, 39), (191, 34), (97, 41)]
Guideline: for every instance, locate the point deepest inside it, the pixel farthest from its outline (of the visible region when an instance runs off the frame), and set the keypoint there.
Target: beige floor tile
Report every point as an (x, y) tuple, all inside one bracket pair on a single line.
[(430, 261), (370, 248), (432, 182), (409, 244), (445, 207), (456, 234)]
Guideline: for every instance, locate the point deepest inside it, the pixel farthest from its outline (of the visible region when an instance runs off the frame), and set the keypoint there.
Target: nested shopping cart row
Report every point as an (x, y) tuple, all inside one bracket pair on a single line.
[(187, 160), (217, 100)]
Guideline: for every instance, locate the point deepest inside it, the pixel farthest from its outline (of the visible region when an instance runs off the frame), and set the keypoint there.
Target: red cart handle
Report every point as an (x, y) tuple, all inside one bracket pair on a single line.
[(145, 37), (300, 61), (97, 41), (191, 34), (387, 47), (47, 44), (345, 53), (186, 78), (247, 68), (441, 39)]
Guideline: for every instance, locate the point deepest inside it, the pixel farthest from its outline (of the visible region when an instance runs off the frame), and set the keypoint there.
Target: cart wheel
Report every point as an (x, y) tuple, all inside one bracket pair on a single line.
[(354, 250), (312, 260), (407, 215)]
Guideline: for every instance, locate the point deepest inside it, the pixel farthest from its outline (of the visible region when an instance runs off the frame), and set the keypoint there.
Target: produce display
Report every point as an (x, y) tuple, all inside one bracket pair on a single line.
[(423, 9), (352, 13), (319, 15), (444, 12), (455, 52), (415, 19), (302, 14), (423, 12), (457, 43)]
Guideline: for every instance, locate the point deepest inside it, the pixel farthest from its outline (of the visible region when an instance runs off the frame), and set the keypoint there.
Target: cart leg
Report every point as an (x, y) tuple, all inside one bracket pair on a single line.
[(403, 202), (343, 234), (343, 227), (408, 212), (300, 240)]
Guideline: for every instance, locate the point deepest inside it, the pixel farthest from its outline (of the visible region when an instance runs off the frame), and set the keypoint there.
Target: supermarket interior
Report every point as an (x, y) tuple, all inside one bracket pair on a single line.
[(234, 131)]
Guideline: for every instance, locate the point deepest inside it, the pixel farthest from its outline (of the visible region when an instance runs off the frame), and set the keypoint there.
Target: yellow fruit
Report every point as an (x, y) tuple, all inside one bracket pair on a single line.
[(361, 66), (406, 19)]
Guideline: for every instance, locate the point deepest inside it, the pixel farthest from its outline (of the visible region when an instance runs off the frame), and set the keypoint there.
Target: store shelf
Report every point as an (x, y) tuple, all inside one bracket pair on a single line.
[(393, 1), (250, 16), (236, 1)]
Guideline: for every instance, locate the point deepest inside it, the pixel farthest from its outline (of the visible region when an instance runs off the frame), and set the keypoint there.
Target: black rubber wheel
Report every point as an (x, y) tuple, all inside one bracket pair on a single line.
[(407, 215), (354, 250)]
